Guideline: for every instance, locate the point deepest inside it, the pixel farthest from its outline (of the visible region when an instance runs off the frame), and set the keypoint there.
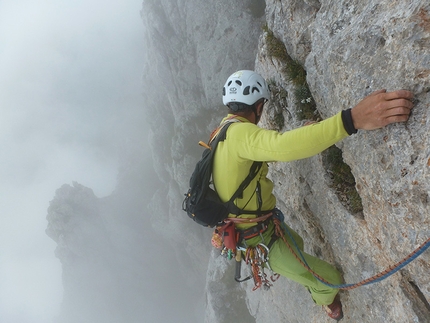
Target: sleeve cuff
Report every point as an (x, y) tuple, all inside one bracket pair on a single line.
[(347, 122)]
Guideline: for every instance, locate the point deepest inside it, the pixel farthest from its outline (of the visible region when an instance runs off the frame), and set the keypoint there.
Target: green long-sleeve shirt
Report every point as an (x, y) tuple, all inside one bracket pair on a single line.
[(246, 142)]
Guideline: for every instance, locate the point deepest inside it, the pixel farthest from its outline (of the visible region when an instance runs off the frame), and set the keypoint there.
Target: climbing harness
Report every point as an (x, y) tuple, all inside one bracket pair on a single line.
[(257, 257), (280, 228)]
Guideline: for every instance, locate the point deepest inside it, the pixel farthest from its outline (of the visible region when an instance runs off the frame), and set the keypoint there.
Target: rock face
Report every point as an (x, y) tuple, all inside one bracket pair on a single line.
[(348, 49)]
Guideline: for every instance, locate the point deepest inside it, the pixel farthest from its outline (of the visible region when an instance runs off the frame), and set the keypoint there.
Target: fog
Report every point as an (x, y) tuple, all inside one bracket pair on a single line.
[(69, 96), (87, 231)]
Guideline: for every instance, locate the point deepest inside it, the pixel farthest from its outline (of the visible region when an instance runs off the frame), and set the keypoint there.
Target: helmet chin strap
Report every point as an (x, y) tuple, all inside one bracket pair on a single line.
[(254, 109), (257, 117)]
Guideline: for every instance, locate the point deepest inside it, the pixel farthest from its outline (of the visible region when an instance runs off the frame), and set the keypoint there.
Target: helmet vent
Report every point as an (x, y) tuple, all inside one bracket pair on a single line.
[(255, 89), (246, 90), (229, 83), (238, 82)]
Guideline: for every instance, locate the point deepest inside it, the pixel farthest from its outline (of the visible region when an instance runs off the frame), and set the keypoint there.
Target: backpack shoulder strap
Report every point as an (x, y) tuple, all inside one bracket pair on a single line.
[(220, 133), (253, 171), (218, 136)]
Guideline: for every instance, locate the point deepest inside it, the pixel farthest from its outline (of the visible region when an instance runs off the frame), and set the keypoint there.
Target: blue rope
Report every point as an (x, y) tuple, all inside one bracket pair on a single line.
[(374, 279)]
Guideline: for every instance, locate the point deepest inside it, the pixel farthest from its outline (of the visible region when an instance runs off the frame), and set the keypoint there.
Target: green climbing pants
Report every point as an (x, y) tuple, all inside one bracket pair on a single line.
[(283, 262)]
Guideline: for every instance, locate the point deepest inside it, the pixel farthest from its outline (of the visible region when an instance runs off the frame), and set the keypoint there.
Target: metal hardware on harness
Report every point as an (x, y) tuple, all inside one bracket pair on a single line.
[(258, 259)]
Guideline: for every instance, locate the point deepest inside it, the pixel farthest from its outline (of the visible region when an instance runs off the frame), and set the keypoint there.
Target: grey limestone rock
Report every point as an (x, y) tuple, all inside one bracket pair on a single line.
[(355, 48)]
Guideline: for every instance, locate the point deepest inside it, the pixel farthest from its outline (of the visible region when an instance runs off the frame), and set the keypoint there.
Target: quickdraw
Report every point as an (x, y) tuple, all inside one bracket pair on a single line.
[(258, 259)]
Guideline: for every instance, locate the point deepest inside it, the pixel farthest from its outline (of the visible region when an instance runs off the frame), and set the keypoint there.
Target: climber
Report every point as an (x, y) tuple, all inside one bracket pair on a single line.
[(245, 94)]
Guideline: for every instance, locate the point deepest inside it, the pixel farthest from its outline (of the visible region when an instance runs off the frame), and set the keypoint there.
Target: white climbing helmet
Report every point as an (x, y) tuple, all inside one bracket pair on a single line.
[(245, 87)]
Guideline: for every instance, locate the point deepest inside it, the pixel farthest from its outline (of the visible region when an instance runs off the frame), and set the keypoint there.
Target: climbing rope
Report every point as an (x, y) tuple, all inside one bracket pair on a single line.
[(374, 279)]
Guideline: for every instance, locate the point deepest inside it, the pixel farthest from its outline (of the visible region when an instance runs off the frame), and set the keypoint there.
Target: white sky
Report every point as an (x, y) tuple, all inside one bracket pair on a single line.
[(69, 71)]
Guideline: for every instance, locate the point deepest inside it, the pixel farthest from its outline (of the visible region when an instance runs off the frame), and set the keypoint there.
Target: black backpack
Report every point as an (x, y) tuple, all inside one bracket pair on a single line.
[(201, 202)]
